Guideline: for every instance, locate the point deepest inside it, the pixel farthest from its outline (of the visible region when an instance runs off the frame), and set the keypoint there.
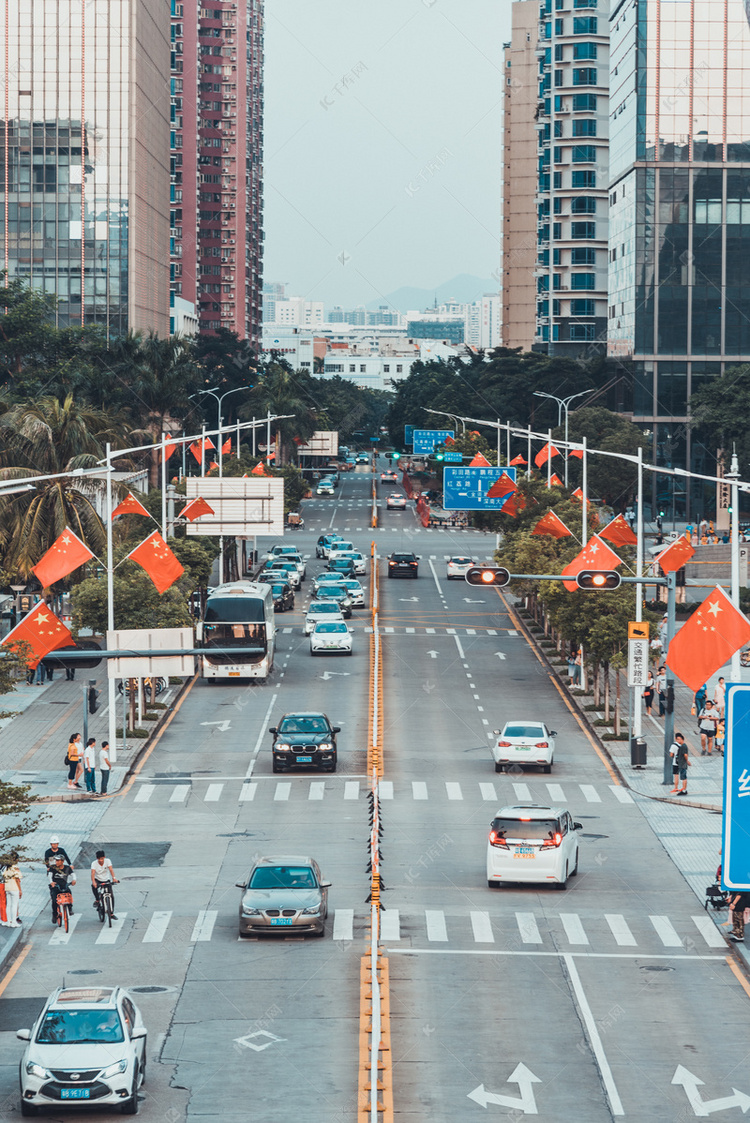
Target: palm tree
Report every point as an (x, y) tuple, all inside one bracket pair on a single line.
[(281, 391)]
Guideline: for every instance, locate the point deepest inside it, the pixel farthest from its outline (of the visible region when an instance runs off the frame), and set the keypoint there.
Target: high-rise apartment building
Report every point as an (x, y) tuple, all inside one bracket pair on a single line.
[(84, 214), (217, 226), (679, 271)]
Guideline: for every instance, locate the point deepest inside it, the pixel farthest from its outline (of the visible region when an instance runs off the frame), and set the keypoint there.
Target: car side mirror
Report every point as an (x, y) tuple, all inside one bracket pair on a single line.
[(240, 884), (337, 729), (577, 826), (350, 630), (138, 1032), (273, 729), (24, 1035), (495, 732), (553, 732), (325, 884)]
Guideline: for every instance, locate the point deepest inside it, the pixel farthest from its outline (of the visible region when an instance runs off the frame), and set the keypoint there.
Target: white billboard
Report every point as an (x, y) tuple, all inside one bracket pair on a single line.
[(322, 443), (242, 506), (154, 640)]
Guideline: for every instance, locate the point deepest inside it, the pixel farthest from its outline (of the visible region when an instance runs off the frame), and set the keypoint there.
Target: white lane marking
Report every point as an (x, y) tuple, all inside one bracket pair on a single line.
[(287, 631), (390, 925), (282, 791), (528, 928), (179, 795), (410, 631), (589, 793), (471, 631), (436, 930), (460, 649), (665, 930), (343, 924), (621, 794), (418, 789), (522, 791), (247, 792), (482, 928), (556, 792), (213, 793), (620, 930), (351, 789), (63, 937), (157, 927), (491, 632), (385, 787), (594, 1038), (389, 631), (435, 579), (204, 925), (571, 922), (511, 631), (261, 737), (709, 931), (109, 935), (317, 789), (488, 792), (453, 790), (429, 631), (144, 793), (450, 632)]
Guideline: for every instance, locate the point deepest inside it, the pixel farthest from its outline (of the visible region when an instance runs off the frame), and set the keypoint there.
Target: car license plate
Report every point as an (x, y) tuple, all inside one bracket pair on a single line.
[(523, 748), (74, 1093), (281, 920), (523, 852), (305, 759)]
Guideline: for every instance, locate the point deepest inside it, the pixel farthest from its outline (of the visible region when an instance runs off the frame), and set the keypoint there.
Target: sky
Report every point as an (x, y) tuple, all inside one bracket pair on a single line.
[(382, 144)]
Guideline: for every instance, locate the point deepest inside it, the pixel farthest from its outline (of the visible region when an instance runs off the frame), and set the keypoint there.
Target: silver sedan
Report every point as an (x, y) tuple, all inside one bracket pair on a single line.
[(283, 894)]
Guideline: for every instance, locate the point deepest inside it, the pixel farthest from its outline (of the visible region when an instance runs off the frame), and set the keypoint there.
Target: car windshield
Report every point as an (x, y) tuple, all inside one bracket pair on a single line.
[(277, 590), (283, 877), (353, 586), (331, 591), (333, 627), (528, 731), (320, 607), (403, 557), (526, 828), (78, 1027), (461, 561), (303, 725)]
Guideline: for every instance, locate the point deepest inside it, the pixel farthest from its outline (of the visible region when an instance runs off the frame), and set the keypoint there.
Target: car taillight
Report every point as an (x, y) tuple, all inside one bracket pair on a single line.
[(498, 840), (542, 745), (552, 841), (503, 744)]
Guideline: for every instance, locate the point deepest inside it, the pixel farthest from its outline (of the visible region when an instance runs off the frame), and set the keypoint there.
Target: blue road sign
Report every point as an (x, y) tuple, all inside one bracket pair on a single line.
[(452, 457), (735, 869), (408, 434), (465, 489), (426, 439)]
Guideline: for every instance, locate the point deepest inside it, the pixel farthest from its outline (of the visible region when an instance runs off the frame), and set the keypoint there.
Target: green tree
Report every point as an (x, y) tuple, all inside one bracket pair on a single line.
[(282, 391), (613, 481), (18, 822), (164, 378), (719, 412)]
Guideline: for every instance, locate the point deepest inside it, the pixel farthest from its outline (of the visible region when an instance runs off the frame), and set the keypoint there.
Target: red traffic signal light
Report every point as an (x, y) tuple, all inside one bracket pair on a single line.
[(598, 580), (487, 575)]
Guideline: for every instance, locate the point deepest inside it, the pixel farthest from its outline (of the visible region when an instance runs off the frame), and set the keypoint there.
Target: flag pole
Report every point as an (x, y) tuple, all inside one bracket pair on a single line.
[(238, 438), (549, 458), (498, 442), (528, 454), (733, 474), (585, 495), (203, 450), (111, 698), (669, 716), (637, 730), (163, 486)]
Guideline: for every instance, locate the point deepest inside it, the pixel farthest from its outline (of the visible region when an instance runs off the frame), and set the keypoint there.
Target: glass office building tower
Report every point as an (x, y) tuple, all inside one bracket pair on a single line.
[(679, 239), (84, 147)]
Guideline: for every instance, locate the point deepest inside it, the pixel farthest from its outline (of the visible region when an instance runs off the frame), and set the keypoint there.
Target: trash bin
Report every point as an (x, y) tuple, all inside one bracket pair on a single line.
[(637, 752)]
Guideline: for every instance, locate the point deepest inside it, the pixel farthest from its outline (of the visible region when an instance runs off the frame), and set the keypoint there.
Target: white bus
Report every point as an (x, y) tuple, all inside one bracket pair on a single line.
[(238, 614)]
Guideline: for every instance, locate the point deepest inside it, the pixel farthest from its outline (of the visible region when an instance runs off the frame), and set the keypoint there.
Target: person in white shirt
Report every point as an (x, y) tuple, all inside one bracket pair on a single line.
[(89, 765), (102, 873), (104, 766), (719, 692)]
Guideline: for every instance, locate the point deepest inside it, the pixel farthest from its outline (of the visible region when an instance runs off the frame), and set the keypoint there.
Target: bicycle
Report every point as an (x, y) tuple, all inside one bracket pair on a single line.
[(105, 902), (64, 902)]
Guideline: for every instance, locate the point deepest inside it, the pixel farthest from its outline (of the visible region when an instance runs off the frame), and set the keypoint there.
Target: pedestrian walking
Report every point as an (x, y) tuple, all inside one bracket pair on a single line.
[(739, 906), (703, 528), (720, 691), (89, 765), (104, 766), (700, 699), (13, 891), (70, 671), (40, 673), (661, 689), (648, 693), (678, 750), (707, 722), (73, 758)]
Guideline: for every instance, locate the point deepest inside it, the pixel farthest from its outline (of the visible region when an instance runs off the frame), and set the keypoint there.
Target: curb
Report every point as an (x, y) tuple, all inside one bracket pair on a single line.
[(10, 950)]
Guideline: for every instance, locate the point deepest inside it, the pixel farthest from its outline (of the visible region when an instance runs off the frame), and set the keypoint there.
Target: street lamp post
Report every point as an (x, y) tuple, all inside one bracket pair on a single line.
[(563, 404), (219, 399)]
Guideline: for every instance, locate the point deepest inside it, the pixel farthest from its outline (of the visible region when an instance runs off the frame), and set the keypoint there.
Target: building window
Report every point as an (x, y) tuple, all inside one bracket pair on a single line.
[(582, 333), (584, 3), (542, 308), (559, 27), (557, 181), (583, 179), (582, 307), (559, 129), (556, 231), (584, 127), (363, 368), (585, 76), (581, 281), (352, 368), (556, 257), (584, 204), (556, 281), (583, 230), (584, 154), (399, 368), (558, 52), (585, 25), (584, 51), (386, 368), (584, 103), (555, 307), (558, 78), (583, 255)]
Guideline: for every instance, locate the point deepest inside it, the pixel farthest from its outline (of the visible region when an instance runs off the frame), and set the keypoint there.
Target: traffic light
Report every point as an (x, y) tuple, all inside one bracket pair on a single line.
[(487, 575), (93, 699), (439, 452), (396, 456), (598, 580)]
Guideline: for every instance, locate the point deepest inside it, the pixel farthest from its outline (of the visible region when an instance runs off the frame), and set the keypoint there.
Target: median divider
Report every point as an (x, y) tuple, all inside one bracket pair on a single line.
[(374, 519)]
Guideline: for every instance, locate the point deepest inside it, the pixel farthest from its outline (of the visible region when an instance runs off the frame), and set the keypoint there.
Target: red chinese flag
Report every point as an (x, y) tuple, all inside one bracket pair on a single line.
[(449, 441), (545, 454), (42, 631), (226, 448), (130, 506), (578, 494), (213, 467), (555, 481), (259, 470), (552, 524), (675, 556), (502, 486), (169, 448), (195, 448), (512, 505), (479, 461), (195, 508), (595, 555), (619, 533), (577, 453), (516, 461), (708, 640), (155, 556), (63, 556)]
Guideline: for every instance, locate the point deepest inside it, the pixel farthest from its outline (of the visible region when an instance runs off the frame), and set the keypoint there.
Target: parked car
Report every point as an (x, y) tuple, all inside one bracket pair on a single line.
[(329, 637), (532, 843), (403, 565), (283, 894), (306, 738)]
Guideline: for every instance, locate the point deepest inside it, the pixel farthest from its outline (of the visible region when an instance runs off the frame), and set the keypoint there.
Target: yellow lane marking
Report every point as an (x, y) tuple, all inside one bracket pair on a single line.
[(14, 968), (733, 967)]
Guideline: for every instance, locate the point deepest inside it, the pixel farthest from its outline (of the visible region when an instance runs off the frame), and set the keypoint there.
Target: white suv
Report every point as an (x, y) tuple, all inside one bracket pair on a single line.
[(524, 742), (532, 843), (88, 1046)]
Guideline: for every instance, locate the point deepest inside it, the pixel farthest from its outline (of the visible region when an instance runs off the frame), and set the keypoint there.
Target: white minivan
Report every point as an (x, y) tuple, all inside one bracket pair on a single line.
[(532, 843)]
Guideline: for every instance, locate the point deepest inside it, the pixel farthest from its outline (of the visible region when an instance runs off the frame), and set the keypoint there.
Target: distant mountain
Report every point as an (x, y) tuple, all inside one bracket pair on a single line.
[(464, 288)]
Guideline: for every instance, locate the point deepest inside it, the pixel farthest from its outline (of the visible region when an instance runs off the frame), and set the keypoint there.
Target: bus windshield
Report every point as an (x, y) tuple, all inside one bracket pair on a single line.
[(235, 622)]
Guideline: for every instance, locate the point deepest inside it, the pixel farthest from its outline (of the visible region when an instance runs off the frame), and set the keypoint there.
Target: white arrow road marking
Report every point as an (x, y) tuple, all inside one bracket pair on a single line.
[(525, 1079), (702, 1108), (468, 600), (409, 600), (433, 654), (500, 654), (223, 725), (329, 674)]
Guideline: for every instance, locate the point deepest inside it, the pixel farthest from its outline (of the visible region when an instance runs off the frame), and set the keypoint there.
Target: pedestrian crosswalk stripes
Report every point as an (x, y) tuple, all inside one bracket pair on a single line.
[(526, 930)]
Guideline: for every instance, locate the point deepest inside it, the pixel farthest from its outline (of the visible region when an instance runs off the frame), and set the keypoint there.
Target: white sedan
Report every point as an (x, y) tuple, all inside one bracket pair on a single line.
[(525, 743), (355, 590), (396, 502), (457, 567), (332, 636), (325, 578), (322, 611), (359, 561)]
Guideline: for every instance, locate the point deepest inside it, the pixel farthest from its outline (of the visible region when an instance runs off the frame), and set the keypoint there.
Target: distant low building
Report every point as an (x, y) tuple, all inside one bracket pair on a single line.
[(454, 331)]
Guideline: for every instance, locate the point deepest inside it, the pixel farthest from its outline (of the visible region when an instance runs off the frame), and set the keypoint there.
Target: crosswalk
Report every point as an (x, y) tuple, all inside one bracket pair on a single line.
[(601, 932), (477, 630), (240, 790)]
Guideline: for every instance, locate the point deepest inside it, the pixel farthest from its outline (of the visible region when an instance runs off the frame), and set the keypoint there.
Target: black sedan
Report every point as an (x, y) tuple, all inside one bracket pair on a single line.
[(304, 740), (283, 597)]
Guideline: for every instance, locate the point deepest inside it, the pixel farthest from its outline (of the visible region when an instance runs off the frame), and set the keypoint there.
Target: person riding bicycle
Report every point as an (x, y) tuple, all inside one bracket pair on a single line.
[(102, 873), (61, 880)]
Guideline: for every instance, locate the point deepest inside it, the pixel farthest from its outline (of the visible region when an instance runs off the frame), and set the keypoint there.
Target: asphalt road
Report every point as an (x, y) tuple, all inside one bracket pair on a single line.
[(584, 1004)]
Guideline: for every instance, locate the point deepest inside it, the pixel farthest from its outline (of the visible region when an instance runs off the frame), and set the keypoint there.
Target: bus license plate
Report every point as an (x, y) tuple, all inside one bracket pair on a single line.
[(305, 759), (74, 1093), (234, 674)]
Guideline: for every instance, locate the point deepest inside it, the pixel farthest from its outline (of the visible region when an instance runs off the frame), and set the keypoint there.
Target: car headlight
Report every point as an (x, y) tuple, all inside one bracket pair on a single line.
[(114, 1070), (283, 748), (250, 912), (311, 911), (37, 1070), (325, 745)]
